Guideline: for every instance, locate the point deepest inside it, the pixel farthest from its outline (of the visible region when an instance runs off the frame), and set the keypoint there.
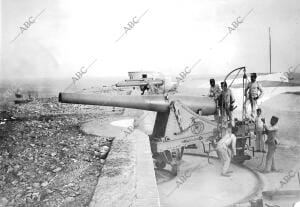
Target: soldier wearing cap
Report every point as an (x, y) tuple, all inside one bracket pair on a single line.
[(214, 90), (226, 148), (255, 92), (272, 143)]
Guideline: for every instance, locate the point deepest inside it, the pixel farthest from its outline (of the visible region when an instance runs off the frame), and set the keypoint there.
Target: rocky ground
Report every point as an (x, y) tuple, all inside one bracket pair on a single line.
[(45, 158)]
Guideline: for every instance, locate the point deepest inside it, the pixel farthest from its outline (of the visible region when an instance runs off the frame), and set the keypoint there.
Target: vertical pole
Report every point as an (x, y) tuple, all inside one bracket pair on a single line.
[(244, 111), (299, 177), (270, 50)]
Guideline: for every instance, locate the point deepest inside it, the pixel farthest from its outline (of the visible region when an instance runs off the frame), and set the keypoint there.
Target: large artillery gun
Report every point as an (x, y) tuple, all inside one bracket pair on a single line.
[(180, 121), (177, 123)]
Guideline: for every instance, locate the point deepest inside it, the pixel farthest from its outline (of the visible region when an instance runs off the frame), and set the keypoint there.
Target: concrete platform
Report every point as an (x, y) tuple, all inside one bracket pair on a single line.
[(128, 177), (199, 183)]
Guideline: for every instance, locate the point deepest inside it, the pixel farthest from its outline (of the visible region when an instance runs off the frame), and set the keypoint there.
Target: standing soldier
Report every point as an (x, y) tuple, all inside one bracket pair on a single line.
[(135, 92), (255, 92), (224, 151), (272, 142), (214, 90), (145, 90), (259, 127), (226, 101)]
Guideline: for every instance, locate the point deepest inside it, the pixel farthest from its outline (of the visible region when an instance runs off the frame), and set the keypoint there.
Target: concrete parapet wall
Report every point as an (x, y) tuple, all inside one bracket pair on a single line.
[(116, 184), (128, 177)]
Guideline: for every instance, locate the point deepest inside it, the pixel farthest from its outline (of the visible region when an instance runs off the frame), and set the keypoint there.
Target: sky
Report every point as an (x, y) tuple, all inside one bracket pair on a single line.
[(69, 35)]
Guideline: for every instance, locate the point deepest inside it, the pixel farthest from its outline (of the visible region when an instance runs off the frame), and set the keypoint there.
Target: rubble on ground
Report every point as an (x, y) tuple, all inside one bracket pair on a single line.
[(45, 159)]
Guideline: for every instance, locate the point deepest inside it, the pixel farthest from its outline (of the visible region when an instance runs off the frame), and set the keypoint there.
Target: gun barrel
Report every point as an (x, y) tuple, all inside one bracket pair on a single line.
[(141, 82), (157, 103)]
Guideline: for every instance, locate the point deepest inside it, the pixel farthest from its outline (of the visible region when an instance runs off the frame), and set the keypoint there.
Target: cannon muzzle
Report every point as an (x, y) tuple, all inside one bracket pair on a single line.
[(158, 103)]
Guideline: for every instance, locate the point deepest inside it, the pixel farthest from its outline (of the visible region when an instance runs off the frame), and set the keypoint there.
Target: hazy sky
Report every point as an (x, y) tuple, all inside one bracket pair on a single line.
[(173, 34)]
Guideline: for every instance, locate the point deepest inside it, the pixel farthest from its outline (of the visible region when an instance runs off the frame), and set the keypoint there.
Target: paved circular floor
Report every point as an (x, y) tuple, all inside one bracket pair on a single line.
[(203, 185)]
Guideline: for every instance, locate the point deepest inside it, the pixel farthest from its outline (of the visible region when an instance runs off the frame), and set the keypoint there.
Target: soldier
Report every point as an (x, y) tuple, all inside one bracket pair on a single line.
[(144, 90), (272, 142), (135, 92), (147, 90), (259, 127), (255, 92), (214, 90), (224, 151), (226, 101)]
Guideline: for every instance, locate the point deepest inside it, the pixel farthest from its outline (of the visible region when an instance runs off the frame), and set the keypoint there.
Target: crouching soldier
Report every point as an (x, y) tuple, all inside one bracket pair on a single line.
[(226, 148), (272, 143)]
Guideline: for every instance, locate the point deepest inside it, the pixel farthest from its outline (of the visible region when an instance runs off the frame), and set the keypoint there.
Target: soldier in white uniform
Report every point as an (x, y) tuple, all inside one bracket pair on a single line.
[(253, 92), (215, 93), (259, 128), (272, 142), (226, 148), (135, 92)]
